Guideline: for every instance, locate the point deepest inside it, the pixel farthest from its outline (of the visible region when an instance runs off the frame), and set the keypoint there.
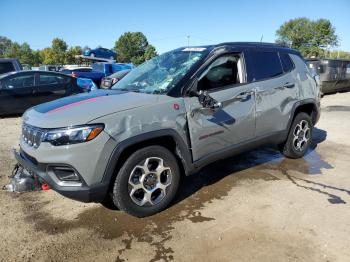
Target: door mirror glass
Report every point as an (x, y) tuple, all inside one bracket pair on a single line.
[(86, 84)]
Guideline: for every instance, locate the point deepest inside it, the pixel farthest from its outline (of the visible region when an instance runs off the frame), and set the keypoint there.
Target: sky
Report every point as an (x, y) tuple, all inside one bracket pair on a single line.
[(166, 24)]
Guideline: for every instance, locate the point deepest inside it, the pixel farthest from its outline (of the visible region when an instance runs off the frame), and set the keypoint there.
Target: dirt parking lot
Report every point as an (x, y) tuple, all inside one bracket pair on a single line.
[(258, 206)]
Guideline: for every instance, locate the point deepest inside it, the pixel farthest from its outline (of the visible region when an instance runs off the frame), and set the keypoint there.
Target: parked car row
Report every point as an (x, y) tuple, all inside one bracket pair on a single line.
[(24, 89), (334, 74), (98, 71), (109, 81)]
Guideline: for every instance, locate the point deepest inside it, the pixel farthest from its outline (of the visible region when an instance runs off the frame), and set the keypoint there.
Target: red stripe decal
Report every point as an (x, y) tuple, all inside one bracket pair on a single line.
[(76, 104)]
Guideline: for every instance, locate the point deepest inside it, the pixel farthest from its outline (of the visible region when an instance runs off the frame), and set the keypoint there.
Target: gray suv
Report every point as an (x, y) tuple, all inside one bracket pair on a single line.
[(129, 146)]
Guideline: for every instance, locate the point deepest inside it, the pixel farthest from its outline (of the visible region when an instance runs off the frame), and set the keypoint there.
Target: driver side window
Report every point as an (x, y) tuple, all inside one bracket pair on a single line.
[(226, 70)]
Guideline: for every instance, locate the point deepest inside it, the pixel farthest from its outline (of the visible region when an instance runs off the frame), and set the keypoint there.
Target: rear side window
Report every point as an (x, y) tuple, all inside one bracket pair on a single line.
[(287, 63), (48, 79), (266, 65), (19, 82), (6, 67)]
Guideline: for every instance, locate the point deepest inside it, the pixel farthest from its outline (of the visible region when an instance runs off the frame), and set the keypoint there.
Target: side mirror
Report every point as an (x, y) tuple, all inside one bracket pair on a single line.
[(204, 98), (86, 84), (207, 101)]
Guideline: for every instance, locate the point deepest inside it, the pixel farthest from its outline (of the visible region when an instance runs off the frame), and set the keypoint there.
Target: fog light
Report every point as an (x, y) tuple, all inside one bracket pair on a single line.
[(65, 173)]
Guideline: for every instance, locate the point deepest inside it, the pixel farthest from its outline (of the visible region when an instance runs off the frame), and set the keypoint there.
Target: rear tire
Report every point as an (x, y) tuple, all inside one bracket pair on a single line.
[(147, 182), (299, 137)]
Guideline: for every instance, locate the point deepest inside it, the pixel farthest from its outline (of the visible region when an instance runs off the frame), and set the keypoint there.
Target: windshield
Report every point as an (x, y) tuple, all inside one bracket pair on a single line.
[(161, 73)]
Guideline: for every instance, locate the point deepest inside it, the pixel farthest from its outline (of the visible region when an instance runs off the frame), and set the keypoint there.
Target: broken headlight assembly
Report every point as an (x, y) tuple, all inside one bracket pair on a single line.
[(72, 135)]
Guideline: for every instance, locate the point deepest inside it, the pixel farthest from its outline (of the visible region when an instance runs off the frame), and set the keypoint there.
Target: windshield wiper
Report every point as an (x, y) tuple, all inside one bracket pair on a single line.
[(130, 90)]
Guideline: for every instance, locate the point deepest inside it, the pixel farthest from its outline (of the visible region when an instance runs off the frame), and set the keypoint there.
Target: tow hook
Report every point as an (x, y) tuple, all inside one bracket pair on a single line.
[(22, 180)]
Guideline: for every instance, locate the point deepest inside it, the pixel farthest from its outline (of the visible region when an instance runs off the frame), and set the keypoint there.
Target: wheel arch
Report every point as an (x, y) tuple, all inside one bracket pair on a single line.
[(167, 138), (308, 106)]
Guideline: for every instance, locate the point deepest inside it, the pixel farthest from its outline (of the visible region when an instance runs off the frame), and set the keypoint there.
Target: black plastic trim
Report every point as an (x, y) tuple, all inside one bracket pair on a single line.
[(186, 155)]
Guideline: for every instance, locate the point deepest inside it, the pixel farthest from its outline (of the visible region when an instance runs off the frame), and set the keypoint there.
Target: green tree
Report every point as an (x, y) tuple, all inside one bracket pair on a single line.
[(26, 54), (5, 44), (150, 52), (71, 53), (312, 38), (47, 56), (339, 54), (133, 47), (14, 51), (59, 48), (36, 58)]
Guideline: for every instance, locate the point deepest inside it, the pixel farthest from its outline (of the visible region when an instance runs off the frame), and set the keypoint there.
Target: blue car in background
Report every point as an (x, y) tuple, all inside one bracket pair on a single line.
[(99, 71), (101, 53)]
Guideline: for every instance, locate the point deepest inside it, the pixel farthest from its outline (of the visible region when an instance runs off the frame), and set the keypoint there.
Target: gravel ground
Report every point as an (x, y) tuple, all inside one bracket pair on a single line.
[(257, 206)]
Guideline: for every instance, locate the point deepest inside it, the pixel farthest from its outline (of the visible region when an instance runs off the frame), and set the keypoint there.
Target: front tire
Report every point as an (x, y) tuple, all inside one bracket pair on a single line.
[(147, 182), (299, 137)]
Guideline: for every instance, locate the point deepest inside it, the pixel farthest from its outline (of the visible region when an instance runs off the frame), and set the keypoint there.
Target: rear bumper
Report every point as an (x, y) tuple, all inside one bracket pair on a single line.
[(80, 192)]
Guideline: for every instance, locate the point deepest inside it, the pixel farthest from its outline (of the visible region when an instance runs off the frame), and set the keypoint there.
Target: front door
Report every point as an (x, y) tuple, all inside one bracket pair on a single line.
[(234, 123)]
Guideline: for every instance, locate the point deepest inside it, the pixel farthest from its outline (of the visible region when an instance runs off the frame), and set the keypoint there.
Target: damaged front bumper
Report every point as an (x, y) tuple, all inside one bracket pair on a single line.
[(76, 191), (23, 181)]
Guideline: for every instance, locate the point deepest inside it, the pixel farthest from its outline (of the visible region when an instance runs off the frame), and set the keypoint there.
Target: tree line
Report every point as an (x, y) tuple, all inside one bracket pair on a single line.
[(313, 38), (130, 47)]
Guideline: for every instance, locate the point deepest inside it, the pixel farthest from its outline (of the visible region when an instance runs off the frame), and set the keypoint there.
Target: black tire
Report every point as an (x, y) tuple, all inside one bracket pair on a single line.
[(289, 148), (108, 202), (122, 188)]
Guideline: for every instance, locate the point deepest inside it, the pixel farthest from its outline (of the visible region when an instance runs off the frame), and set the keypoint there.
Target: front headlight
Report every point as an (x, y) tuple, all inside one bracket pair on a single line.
[(74, 135)]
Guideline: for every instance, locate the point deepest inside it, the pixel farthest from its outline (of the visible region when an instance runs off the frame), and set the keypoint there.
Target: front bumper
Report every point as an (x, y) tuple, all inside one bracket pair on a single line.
[(81, 192)]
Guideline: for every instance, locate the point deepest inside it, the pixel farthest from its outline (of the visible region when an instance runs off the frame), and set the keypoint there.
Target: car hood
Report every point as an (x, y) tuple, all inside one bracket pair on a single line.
[(83, 108)]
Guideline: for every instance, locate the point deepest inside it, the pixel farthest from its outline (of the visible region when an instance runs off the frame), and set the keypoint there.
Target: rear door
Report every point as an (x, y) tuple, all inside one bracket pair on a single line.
[(50, 86), (212, 131), (16, 93), (275, 91)]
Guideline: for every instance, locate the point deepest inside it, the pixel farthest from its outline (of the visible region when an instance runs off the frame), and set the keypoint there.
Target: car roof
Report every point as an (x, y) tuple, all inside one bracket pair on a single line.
[(32, 71), (8, 59), (247, 45)]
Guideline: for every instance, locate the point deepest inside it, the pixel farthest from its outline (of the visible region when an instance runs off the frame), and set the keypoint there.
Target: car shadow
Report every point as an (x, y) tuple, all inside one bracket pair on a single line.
[(10, 116), (249, 165)]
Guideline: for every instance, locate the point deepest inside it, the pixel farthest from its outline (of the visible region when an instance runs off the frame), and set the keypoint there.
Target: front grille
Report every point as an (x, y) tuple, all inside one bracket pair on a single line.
[(32, 135)]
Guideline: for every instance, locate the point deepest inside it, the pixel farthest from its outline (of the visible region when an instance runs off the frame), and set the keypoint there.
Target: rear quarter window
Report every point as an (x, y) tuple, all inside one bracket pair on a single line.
[(6, 67), (266, 65), (287, 63)]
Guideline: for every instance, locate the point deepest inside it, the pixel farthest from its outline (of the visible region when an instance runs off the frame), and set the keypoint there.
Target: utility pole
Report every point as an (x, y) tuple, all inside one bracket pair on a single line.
[(188, 40), (262, 36)]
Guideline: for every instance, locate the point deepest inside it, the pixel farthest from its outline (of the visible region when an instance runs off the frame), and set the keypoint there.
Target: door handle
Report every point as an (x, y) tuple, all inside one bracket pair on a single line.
[(242, 96), (289, 85)]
